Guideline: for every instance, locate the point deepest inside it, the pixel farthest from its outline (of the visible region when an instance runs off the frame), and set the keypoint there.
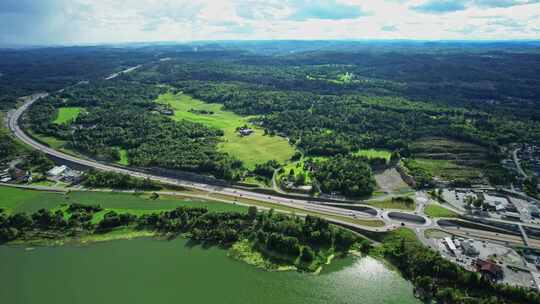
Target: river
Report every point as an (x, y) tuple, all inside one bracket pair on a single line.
[(151, 271)]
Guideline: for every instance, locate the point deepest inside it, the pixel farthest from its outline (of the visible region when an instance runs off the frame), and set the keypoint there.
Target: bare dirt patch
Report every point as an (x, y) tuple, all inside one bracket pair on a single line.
[(389, 181)]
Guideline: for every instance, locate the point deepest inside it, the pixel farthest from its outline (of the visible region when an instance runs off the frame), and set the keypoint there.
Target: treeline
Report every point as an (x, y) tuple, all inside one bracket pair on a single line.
[(120, 115), (306, 102), (8, 147), (330, 124), (302, 241), (349, 175), (112, 180), (25, 72), (436, 277)]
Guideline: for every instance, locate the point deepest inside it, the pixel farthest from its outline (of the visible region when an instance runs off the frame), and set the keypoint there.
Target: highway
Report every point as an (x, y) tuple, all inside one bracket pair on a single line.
[(328, 212), (301, 204)]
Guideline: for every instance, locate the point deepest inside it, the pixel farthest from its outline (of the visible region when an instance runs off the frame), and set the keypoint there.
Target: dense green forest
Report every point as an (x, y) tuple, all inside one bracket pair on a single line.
[(328, 100), (28, 71)]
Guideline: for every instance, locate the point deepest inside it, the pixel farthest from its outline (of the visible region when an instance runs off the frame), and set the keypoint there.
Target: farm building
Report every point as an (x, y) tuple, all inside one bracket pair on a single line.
[(450, 245), (489, 270), (245, 131), (57, 171)]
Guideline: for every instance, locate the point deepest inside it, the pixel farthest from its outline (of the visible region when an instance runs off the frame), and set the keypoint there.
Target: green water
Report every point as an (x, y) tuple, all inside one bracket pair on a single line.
[(149, 271)]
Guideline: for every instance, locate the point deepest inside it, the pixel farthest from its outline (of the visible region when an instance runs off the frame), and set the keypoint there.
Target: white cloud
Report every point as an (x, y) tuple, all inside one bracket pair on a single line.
[(95, 21)]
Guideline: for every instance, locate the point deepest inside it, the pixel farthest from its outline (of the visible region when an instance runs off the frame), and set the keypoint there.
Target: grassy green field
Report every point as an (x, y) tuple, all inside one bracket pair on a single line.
[(374, 153), (19, 200), (123, 158), (66, 114), (22, 200), (391, 204), (433, 210), (253, 149), (52, 142)]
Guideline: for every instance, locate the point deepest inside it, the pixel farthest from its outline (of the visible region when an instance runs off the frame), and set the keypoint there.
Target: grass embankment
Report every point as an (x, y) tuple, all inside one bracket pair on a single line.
[(253, 149), (434, 210), (22, 200), (50, 141), (399, 203), (67, 114), (14, 200)]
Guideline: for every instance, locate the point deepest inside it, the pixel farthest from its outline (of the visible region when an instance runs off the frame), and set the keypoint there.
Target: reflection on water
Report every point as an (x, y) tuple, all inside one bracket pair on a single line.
[(149, 271)]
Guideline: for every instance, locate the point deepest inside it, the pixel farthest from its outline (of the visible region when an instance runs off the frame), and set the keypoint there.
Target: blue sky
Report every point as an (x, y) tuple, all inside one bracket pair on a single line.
[(105, 21)]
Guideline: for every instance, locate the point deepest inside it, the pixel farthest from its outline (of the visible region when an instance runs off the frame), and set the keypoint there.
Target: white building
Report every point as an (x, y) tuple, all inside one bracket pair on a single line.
[(57, 171), (498, 203), (450, 244)]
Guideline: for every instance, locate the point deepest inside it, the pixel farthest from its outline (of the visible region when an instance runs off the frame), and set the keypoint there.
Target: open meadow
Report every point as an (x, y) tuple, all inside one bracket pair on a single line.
[(254, 149), (23, 200), (67, 114)]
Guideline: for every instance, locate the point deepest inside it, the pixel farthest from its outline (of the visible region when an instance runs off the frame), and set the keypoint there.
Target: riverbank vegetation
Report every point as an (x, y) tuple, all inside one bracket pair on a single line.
[(306, 243)]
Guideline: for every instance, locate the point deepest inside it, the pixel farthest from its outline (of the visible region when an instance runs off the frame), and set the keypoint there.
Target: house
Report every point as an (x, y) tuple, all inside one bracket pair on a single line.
[(21, 176), (57, 171), (489, 270), (245, 131)]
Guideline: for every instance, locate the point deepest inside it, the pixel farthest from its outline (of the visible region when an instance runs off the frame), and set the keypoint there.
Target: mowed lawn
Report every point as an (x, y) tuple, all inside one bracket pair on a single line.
[(23, 200), (66, 114), (253, 149)]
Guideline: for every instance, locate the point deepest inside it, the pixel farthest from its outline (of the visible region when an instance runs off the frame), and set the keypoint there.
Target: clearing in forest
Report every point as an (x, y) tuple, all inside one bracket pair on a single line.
[(67, 114), (374, 153), (449, 159), (390, 181), (252, 149), (124, 160)]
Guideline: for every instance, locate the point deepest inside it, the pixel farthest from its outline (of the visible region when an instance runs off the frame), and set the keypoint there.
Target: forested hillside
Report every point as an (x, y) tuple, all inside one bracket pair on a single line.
[(329, 104)]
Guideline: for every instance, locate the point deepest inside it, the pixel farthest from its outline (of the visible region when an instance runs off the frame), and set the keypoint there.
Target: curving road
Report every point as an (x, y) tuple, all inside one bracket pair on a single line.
[(306, 205)]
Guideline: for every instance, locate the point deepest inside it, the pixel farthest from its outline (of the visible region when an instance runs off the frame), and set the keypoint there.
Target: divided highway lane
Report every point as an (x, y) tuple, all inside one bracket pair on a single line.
[(294, 203)]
